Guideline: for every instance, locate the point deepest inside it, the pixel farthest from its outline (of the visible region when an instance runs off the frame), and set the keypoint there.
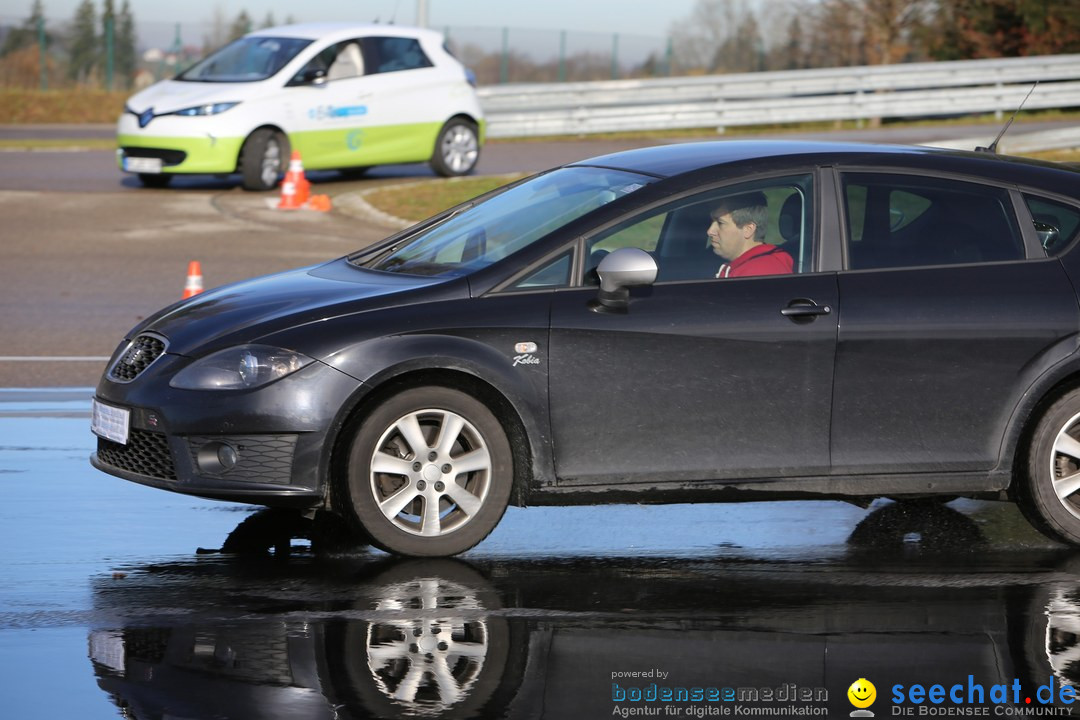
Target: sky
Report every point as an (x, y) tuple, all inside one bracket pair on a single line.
[(632, 17)]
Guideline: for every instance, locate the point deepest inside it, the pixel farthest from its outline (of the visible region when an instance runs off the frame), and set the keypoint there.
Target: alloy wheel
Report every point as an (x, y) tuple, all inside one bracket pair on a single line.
[(1065, 466), (430, 472), (271, 162), (460, 149)]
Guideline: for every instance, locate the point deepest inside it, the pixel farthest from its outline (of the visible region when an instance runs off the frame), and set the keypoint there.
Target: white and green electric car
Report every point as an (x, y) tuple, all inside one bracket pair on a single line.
[(346, 96)]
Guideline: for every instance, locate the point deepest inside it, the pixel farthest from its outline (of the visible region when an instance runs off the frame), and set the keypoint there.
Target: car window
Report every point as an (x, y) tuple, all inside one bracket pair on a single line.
[(245, 60), (911, 221), (677, 234), (552, 274), (339, 61), (1056, 224), (392, 54), (489, 231)]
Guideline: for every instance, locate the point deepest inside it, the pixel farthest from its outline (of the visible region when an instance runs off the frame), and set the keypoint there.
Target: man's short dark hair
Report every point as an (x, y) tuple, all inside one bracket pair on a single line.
[(745, 207)]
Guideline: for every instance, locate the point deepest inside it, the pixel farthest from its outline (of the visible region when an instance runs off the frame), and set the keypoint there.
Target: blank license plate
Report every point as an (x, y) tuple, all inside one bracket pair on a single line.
[(142, 164), (110, 422)]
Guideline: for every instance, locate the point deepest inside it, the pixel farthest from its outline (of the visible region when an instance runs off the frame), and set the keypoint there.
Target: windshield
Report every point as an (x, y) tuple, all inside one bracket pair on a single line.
[(485, 233), (245, 60)]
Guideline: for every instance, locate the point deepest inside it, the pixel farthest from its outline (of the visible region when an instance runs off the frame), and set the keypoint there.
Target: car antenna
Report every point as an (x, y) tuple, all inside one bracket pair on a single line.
[(993, 145)]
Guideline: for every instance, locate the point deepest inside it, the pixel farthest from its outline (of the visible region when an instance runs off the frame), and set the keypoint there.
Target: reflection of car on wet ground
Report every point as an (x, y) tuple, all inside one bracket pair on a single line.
[(345, 96), (567, 340), (359, 637)]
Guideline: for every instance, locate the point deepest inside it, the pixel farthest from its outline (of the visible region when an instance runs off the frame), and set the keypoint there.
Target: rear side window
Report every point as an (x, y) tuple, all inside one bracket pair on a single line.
[(1056, 223), (912, 221), (392, 54)]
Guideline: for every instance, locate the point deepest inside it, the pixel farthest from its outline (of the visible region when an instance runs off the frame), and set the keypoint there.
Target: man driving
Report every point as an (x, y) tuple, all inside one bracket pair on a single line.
[(737, 235)]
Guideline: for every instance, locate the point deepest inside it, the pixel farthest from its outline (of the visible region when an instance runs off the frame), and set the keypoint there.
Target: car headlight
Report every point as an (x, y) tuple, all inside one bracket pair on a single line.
[(239, 368), (210, 109)]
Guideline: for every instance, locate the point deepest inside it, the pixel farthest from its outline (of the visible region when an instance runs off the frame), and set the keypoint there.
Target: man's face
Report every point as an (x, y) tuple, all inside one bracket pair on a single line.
[(728, 240)]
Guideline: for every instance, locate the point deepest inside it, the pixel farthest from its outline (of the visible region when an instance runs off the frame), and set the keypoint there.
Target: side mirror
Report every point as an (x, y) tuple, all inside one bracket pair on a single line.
[(621, 270), (314, 76)]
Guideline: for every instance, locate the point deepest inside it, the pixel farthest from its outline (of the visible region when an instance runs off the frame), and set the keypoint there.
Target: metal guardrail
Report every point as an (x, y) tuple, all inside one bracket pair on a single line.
[(853, 93)]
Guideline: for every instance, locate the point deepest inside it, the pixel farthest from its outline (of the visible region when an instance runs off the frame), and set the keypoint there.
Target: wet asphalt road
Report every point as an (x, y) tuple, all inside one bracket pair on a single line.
[(108, 607)]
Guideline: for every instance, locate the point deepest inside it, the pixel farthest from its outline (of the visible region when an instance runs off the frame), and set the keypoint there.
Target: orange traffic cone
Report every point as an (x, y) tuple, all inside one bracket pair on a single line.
[(194, 284), (295, 189)]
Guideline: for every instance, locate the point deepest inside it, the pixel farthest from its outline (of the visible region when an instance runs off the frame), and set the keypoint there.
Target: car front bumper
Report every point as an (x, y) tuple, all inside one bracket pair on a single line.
[(184, 145), (267, 446)]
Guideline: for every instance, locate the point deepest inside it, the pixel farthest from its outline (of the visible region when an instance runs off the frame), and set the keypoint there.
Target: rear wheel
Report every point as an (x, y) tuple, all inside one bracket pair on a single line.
[(155, 180), (457, 149), (262, 159), (1050, 493), (430, 472)]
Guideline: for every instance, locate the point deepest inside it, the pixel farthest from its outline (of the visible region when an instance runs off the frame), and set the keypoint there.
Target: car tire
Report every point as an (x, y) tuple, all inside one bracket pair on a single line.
[(154, 180), (447, 494), (1049, 491), (263, 159), (457, 149)]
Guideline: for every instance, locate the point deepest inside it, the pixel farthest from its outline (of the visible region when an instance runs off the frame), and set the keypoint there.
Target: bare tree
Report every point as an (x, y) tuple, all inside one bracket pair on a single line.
[(835, 29), (890, 27), (708, 40), (240, 26), (219, 32)]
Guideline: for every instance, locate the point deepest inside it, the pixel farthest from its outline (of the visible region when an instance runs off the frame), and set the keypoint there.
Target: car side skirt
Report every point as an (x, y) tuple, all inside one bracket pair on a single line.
[(976, 484)]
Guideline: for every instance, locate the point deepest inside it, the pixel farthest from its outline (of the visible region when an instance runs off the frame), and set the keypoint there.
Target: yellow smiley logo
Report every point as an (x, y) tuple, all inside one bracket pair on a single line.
[(862, 693)]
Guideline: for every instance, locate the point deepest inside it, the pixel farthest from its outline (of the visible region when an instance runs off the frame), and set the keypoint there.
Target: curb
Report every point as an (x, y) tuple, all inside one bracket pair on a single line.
[(354, 205)]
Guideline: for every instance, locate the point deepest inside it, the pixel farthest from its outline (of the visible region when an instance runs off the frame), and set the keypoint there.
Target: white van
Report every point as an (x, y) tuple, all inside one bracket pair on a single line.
[(346, 96)]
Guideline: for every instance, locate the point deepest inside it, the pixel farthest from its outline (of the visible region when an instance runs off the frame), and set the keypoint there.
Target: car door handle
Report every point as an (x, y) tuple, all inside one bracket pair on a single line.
[(804, 309)]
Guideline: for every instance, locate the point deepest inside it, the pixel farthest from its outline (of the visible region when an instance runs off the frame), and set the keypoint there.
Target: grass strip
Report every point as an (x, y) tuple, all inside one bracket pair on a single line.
[(416, 201)]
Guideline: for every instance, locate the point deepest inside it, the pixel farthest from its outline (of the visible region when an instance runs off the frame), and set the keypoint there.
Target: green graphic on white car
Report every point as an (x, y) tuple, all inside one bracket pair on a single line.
[(346, 96)]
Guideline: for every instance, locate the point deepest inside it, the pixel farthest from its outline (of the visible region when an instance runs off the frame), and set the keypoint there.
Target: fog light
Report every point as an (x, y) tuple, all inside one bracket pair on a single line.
[(217, 457)]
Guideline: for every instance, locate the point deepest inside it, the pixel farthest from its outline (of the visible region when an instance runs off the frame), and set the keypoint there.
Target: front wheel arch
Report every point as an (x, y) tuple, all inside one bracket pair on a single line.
[(429, 472), (507, 414), (363, 403)]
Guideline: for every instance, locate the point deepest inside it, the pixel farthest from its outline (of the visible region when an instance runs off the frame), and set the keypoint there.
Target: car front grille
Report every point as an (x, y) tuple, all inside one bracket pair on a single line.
[(167, 157), (143, 350), (146, 453)]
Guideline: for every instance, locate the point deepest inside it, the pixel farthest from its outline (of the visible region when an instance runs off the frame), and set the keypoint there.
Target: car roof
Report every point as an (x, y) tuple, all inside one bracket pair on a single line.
[(681, 158), (332, 30)]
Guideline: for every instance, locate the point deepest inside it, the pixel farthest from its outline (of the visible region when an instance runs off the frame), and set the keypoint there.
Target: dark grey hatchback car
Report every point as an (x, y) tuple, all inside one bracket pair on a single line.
[(689, 323)]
